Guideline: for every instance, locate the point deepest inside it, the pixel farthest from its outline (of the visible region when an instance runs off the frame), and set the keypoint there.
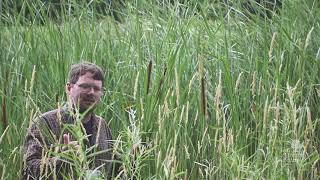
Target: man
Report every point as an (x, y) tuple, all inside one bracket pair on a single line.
[(71, 141)]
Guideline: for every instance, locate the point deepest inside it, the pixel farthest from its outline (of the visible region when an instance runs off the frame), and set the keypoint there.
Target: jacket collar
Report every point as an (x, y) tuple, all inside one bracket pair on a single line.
[(68, 117)]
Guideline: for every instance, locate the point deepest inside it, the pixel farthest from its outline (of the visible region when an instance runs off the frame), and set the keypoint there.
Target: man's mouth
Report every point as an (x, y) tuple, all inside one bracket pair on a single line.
[(89, 100)]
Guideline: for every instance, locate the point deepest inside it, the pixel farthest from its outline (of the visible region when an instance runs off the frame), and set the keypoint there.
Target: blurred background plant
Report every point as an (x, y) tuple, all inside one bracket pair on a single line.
[(194, 89)]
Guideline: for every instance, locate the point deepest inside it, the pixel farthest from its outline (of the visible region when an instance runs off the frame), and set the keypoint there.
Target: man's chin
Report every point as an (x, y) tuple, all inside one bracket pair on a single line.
[(88, 108)]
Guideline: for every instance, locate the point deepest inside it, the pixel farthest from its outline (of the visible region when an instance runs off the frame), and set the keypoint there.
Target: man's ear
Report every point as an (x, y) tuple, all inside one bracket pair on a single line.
[(68, 87)]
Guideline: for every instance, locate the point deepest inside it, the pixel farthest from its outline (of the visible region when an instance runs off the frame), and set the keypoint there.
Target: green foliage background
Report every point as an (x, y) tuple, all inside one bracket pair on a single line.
[(231, 94)]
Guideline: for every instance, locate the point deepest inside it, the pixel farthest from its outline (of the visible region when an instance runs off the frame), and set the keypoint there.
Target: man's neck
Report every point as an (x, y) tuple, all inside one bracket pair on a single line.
[(86, 118), (86, 115)]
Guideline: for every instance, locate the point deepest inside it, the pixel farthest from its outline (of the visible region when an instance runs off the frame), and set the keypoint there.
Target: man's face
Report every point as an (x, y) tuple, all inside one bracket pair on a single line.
[(85, 93)]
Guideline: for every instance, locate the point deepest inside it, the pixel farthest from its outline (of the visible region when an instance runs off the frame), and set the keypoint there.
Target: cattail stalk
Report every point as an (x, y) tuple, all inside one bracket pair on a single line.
[(4, 118), (202, 89), (203, 98), (149, 76), (161, 81)]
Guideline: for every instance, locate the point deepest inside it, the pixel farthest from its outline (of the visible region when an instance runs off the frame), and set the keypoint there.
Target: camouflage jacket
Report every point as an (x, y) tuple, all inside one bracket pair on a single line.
[(44, 140)]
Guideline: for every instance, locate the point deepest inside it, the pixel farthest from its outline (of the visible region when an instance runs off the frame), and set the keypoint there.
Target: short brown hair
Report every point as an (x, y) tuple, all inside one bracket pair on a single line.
[(80, 69)]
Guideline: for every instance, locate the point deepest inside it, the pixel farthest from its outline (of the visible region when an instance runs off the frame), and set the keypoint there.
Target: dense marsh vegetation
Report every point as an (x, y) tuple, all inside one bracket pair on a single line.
[(193, 90)]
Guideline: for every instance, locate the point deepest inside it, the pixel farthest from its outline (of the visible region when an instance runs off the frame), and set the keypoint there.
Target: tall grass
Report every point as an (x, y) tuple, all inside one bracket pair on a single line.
[(193, 90)]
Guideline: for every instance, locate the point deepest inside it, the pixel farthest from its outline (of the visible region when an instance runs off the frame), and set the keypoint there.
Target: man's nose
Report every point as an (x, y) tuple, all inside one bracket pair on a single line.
[(91, 90)]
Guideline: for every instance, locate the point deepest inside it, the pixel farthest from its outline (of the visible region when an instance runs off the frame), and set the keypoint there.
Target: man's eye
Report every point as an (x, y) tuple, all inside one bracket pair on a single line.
[(84, 86), (88, 86), (96, 89)]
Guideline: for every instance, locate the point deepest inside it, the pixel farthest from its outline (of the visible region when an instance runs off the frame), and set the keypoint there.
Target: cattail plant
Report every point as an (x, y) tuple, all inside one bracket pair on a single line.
[(193, 89)]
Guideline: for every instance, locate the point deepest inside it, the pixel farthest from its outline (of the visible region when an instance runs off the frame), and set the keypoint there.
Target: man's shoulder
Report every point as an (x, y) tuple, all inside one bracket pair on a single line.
[(99, 117), (49, 116), (47, 120), (100, 120), (52, 115)]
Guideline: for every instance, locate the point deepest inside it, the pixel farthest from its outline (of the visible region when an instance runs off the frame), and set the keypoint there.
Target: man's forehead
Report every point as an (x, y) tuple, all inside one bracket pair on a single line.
[(88, 78)]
